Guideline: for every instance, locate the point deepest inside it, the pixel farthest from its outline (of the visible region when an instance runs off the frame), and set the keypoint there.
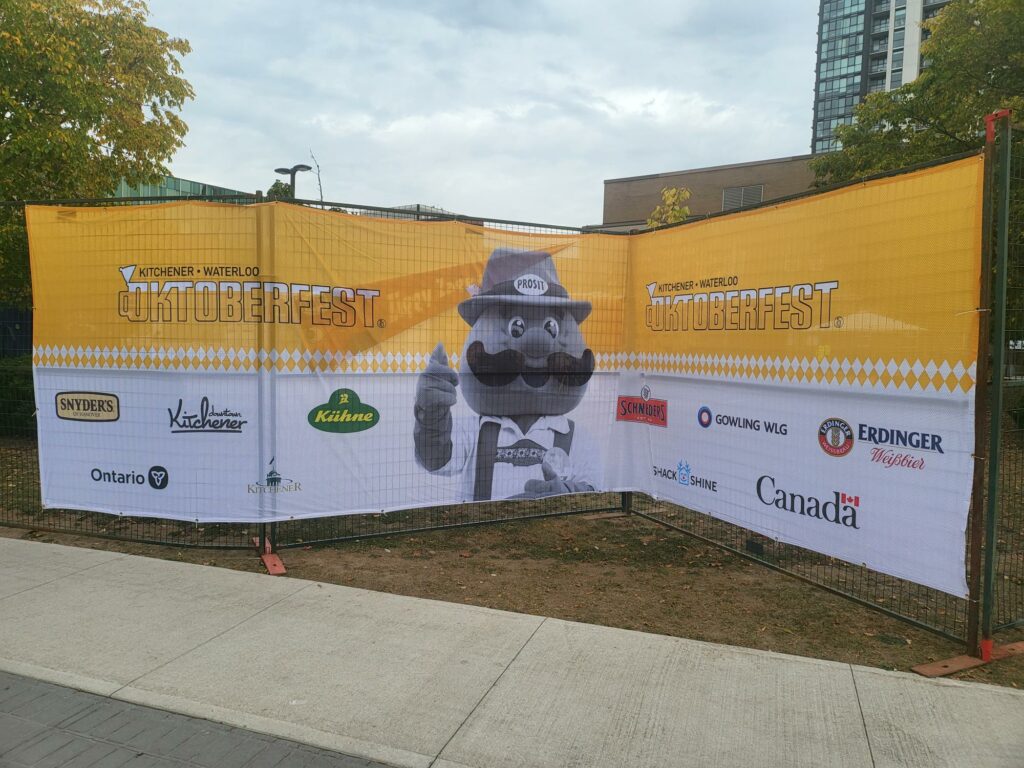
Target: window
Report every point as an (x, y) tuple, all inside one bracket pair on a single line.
[(738, 197), (897, 78)]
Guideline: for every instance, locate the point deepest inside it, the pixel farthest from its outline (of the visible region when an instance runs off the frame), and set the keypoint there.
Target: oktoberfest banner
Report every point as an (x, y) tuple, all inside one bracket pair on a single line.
[(804, 370)]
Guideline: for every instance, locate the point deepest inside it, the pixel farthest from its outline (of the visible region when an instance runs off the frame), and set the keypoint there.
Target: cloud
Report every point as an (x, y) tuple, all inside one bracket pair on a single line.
[(511, 110)]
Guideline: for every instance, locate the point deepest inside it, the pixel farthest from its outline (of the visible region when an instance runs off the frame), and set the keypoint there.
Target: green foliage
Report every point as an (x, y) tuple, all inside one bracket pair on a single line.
[(279, 190), (17, 406), (89, 94), (976, 55), (672, 209)]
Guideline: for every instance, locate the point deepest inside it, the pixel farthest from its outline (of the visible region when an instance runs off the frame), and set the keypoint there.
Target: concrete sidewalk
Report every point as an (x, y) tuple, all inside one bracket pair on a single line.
[(416, 682)]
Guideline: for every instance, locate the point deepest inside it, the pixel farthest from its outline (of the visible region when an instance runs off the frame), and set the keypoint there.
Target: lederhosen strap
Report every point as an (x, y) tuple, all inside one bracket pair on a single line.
[(487, 448)]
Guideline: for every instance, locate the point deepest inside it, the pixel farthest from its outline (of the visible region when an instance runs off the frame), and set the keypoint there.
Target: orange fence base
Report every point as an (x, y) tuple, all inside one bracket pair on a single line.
[(271, 561), (960, 663)]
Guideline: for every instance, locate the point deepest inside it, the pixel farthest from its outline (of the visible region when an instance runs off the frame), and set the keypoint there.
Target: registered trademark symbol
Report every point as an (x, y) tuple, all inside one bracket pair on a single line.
[(381, 323), (839, 322)]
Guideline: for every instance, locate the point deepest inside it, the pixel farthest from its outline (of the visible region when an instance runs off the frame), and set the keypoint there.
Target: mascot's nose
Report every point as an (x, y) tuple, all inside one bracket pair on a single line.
[(536, 342)]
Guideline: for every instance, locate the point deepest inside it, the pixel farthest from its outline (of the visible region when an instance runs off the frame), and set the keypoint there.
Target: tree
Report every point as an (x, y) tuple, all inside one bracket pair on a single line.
[(89, 94), (671, 210), (279, 190), (976, 66)]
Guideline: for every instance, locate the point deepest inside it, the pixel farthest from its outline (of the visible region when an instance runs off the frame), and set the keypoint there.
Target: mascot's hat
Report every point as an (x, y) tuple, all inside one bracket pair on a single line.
[(524, 278)]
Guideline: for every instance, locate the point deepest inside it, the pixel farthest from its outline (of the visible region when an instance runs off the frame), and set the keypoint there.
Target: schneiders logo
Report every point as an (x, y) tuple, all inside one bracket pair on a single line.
[(643, 409), (343, 412), (162, 296), (274, 483), (840, 508), (87, 406), (157, 477), (206, 419)]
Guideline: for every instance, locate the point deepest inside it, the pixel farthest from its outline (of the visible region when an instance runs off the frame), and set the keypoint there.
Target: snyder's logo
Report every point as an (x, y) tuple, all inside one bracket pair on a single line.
[(835, 437), (274, 483), (157, 477), (840, 508), (643, 409), (706, 418), (799, 306), (168, 299), (87, 406), (205, 420), (531, 285), (343, 412)]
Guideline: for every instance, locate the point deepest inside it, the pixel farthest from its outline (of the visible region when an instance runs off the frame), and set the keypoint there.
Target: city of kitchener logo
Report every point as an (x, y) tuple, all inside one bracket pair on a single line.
[(835, 437), (643, 409), (274, 483)]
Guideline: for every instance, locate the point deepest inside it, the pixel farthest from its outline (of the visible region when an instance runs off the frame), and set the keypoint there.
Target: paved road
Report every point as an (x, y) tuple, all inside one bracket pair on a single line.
[(49, 726)]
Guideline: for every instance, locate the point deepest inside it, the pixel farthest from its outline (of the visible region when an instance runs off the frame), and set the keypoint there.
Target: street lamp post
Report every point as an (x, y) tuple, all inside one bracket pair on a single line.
[(290, 172)]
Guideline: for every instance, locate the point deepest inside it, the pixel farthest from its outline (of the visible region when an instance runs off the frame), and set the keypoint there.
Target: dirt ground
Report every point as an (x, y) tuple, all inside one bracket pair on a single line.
[(611, 570)]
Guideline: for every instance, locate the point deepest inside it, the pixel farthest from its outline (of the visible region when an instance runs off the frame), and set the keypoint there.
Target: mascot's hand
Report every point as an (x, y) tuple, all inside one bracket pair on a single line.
[(435, 396), (435, 390), (552, 484)]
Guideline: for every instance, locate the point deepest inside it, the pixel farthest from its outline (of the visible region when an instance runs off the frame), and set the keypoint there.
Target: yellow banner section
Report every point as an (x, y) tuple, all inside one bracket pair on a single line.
[(874, 284), (277, 277)]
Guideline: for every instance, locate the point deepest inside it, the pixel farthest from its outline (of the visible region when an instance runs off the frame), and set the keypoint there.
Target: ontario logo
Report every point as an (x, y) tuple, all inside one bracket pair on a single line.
[(274, 483), (343, 412), (835, 437), (643, 409)]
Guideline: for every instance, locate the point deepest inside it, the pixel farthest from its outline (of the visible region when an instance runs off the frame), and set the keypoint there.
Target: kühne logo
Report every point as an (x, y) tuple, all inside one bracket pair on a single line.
[(343, 412), (87, 406), (840, 508)]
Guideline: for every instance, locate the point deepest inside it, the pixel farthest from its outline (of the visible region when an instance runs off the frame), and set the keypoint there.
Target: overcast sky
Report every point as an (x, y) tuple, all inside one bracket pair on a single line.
[(514, 109)]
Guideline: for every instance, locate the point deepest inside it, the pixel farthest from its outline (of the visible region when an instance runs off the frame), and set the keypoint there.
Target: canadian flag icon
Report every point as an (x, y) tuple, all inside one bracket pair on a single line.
[(853, 501)]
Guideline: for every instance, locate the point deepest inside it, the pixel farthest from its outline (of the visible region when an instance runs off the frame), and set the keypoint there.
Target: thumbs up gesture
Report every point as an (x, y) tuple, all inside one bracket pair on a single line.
[(435, 396)]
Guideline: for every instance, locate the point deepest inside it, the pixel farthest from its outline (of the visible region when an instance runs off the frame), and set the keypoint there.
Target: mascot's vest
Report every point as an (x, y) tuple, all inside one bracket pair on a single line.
[(524, 453)]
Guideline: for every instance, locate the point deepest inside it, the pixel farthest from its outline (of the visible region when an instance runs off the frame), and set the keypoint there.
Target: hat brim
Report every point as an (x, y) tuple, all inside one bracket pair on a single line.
[(470, 309)]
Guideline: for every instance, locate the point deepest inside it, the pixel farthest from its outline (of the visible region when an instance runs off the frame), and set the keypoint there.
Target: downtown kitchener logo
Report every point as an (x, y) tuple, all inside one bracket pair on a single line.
[(204, 419)]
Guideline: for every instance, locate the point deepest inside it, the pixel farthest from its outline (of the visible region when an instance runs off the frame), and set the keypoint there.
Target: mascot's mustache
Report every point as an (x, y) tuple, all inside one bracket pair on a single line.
[(502, 368)]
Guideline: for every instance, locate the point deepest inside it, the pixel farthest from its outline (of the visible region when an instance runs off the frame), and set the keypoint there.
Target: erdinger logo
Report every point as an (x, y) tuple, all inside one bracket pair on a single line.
[(835, 437), (886, 439), (643, 409), (87, 406), (157, 477), (158, 295), (840, 508), (206, 419), (531, 285)]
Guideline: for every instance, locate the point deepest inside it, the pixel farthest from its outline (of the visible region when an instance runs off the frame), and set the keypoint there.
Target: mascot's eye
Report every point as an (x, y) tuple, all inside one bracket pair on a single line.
[(551, 326), (516, 327)]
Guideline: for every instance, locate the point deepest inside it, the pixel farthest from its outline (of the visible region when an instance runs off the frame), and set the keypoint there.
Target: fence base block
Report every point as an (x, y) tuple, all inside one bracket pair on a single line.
[(960, 663), (271, 561)]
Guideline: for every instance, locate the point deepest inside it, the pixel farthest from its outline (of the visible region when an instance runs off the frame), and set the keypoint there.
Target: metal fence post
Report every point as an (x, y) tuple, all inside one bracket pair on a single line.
[(627, 502), (1002, 214)]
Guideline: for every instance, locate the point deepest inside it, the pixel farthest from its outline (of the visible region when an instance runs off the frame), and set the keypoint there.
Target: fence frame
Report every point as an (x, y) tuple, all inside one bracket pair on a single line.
[(973, 619)]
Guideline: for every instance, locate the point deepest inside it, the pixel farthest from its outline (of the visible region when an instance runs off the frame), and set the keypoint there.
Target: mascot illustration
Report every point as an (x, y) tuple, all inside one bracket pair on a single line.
[(525, 366)]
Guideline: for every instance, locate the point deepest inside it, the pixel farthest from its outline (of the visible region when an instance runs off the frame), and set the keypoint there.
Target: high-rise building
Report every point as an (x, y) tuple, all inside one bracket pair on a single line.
[(864, 46)]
